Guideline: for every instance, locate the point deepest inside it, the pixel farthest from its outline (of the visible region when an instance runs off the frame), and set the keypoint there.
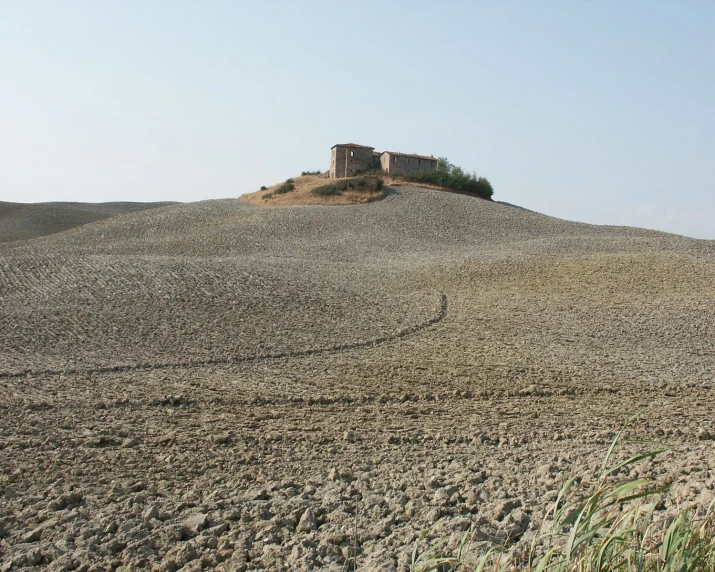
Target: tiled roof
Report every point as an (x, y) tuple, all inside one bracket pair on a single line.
[(351, 145), (429, 158)]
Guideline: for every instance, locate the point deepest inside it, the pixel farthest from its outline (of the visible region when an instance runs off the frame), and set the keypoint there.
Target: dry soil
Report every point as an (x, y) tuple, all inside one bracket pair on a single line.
[(23, 221), (222, 385)]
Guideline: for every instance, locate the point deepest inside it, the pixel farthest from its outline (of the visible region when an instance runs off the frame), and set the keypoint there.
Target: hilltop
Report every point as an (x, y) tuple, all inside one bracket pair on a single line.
[(305, 190), (302, 193), (221, 385)]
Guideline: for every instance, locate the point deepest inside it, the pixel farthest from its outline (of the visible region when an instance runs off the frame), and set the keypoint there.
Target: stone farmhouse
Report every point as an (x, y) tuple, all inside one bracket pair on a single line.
[(349, 160), (397, 163)]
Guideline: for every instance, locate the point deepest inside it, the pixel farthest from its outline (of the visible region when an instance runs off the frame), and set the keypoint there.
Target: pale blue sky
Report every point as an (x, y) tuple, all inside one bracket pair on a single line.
[(601, 112)]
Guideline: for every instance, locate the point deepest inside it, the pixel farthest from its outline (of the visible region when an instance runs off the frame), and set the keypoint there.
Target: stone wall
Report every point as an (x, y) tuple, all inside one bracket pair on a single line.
[(350, 160), (397, 163)]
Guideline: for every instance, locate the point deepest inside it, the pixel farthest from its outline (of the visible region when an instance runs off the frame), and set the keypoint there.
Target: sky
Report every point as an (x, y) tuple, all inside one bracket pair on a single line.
[(601, 112)]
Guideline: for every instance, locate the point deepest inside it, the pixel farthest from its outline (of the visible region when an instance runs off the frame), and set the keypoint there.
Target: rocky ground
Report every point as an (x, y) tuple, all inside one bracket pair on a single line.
[(217, 385)]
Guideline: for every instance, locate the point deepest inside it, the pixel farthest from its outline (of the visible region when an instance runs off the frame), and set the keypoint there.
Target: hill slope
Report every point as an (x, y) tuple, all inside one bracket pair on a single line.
[(302, 194), (23, 221), (252, 371), (187, 282)]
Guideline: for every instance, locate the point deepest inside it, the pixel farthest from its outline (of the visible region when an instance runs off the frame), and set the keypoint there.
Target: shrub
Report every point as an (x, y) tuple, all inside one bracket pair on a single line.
[(285, 187), (326, 190), (304, 173), (452, 177), (363, 184), (374, 170), (263, 187), (266, 196), (333, 188)]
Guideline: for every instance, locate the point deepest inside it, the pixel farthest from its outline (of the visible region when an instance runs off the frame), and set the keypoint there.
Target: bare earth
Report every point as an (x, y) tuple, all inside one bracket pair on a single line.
[(23, 221), (222, 385)]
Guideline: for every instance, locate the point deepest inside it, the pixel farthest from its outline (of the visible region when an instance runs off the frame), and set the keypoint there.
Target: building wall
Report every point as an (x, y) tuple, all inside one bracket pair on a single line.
[(349, 161), (396, 164), (385, 162)]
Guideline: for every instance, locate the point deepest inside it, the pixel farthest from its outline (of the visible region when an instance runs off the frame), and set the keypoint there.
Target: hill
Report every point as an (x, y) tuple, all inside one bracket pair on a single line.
[(23, 221), (272, 378)]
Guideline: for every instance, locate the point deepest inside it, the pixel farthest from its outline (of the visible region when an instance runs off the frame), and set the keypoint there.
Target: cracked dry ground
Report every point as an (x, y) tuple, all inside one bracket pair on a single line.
[(144, 423)]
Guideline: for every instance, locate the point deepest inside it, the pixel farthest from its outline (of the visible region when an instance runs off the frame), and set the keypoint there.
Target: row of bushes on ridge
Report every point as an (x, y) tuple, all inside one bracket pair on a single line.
[(452, 177)]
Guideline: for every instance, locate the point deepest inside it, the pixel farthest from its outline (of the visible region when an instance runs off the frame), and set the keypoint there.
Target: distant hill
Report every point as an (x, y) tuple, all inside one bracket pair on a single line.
[(23, 221)]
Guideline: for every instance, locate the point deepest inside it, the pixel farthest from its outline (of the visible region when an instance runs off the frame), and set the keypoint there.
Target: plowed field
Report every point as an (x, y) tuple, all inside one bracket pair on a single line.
[(219, 385)]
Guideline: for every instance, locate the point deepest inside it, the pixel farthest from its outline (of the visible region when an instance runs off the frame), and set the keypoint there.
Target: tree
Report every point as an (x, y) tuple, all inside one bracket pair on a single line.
[(444, 165), (452, 177)]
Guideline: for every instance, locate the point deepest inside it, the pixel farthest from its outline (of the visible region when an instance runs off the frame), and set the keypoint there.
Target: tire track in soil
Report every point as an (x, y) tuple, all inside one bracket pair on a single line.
[(375, 342)]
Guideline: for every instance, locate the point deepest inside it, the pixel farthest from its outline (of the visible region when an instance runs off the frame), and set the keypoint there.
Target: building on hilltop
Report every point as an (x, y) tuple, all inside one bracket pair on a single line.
[(349, 160), (398, 163)]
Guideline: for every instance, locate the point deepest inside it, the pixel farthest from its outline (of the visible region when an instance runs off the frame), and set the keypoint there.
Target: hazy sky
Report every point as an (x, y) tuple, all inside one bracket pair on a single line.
[(602, 112)]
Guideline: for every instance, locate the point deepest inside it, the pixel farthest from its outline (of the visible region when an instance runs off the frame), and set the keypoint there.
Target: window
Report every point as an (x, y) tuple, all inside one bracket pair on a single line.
[(395, 158), (352, 153), (418, 161), (408, 160)]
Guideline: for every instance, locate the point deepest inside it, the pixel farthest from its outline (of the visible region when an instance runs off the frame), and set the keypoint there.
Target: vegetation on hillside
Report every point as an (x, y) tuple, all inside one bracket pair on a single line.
[(286, 187), (446, 175), (363, 184), (609, 525), (452, 177)]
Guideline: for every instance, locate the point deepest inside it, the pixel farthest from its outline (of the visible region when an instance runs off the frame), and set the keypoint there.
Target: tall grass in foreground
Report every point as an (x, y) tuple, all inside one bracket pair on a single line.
[(602, 526)]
